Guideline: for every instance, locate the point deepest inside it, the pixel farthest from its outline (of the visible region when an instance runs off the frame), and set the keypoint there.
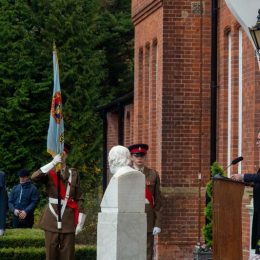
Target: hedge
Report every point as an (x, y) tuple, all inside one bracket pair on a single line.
[(22, 238), (33, 253), (29, 244)]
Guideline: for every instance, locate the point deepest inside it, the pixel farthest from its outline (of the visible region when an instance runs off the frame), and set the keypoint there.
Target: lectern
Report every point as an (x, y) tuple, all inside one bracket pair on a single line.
[(227, 227)]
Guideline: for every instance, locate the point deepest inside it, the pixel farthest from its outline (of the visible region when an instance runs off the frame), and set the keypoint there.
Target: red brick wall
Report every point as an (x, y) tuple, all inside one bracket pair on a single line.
[(186, 122), (172, 112), (141, 9), (112, 135), (251, 122), (148, 84), (112, 129), (128, 125)]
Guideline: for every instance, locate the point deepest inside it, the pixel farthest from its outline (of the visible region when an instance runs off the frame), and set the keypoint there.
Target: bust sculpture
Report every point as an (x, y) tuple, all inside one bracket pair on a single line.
[(125, 192), (121, 232)]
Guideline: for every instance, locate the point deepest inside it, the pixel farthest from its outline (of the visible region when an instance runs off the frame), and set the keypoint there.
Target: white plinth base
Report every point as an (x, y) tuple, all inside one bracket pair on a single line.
[(121, 236)]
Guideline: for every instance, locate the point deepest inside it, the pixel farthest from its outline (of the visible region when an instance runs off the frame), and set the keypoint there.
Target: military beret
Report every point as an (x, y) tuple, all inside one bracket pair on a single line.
[(138, 148), (23, 173)]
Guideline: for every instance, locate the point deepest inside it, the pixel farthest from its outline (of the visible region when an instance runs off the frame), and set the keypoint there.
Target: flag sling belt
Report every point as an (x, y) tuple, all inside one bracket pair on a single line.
[(65, 200)]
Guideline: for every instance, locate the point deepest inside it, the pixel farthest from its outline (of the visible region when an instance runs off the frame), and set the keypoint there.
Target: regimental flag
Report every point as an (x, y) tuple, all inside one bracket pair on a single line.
[(55, 140)]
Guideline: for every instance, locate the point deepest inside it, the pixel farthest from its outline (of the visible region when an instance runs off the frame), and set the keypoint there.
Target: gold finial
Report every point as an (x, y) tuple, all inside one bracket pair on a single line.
[(54, 46)]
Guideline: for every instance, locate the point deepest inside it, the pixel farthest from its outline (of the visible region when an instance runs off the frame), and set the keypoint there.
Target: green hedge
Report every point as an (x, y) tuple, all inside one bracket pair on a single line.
[(85, 252), (22, 238), (22, 253), (33, 253), (29, 244)]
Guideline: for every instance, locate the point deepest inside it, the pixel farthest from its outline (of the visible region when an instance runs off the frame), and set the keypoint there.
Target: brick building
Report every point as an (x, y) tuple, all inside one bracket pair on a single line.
[(196, 99)]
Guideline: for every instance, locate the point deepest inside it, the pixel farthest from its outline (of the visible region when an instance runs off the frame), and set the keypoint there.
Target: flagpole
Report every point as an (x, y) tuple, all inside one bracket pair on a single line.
[(59, 224), (59, 132), (59, 201), (58, 190)]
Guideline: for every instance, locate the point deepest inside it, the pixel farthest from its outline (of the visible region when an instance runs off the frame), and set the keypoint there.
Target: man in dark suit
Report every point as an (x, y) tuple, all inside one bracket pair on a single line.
[(253, 178)]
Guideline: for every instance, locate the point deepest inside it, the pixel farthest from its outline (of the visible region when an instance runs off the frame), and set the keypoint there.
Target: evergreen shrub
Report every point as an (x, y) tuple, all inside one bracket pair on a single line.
[(207, 229)]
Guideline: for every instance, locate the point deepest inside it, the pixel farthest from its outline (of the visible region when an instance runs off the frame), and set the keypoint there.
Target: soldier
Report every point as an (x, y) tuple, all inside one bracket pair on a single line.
[(152, 194), (60, 238), (23, 200)]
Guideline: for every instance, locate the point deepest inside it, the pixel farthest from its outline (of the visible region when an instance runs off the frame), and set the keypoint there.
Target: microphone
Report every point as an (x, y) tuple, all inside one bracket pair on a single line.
[(235, 161)]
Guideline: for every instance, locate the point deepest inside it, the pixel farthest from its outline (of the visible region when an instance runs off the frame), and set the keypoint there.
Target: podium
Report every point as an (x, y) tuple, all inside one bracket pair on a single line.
[(227, 219)]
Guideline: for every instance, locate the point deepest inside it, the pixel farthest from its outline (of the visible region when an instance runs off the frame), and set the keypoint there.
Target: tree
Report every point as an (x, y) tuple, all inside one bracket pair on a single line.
[(93, 71), (117, 32)]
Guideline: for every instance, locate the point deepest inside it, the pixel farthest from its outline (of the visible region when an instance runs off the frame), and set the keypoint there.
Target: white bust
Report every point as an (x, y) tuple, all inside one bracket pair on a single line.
[(125, 192), (119, 157), (121, 231)]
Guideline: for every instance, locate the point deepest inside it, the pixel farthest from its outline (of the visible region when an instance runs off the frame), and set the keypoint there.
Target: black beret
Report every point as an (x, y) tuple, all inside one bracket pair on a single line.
[(23, 173)]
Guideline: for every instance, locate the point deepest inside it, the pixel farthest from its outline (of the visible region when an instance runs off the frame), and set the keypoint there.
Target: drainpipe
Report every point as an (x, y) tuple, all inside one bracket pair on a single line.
[(121, 111), (214, 80)]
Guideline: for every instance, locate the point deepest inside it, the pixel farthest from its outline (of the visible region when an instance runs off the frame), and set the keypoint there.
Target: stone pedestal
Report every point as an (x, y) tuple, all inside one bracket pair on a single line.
[(121, 233), (121, 236)]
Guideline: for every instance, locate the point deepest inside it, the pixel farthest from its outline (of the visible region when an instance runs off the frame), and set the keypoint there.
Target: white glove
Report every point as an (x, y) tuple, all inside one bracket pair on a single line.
[(46, 168), (156, 231), (81, 221), (78, 229), (56, 159), (2, 232)]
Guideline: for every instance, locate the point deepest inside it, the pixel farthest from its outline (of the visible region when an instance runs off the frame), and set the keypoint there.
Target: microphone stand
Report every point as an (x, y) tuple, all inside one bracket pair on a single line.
[(235, 161), (199, 209)]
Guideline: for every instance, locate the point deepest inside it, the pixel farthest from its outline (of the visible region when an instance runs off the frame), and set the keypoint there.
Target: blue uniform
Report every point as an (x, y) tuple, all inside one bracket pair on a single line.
[(3, 200), (23, 197)]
